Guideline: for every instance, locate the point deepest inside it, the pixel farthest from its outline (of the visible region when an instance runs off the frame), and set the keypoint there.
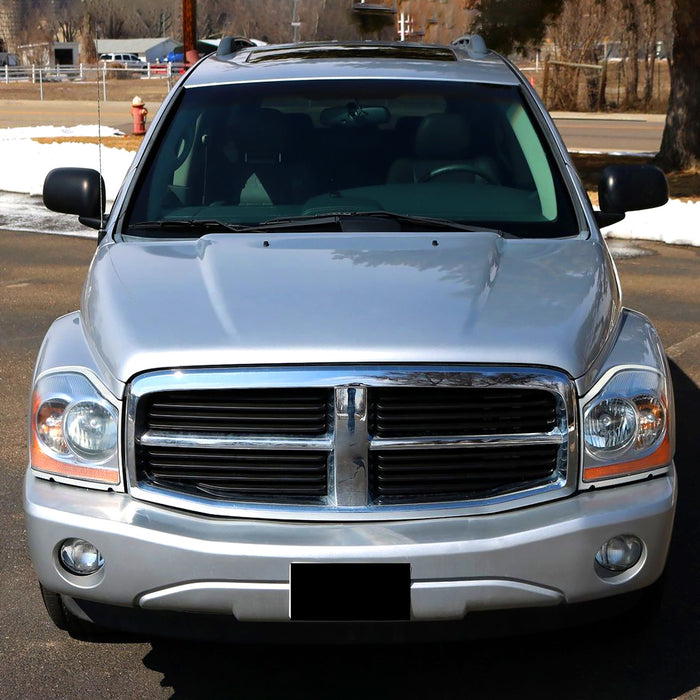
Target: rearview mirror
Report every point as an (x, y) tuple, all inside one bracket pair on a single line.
[(353, 114), (78, 191)]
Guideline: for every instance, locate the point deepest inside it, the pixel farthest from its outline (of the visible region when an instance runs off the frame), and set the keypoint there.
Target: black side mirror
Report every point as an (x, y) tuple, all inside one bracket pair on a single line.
[(631, 187), (78, 191)]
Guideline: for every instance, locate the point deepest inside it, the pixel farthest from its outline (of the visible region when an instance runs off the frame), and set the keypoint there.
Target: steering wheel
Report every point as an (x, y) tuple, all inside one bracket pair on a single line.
[(457, 168)]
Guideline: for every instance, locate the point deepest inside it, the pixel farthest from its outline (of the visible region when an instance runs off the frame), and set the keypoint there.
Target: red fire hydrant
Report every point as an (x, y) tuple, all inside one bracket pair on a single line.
[(138, 112)]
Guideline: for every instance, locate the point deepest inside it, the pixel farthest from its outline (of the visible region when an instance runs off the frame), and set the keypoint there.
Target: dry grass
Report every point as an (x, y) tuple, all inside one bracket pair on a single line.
[(682, 185), (151, 91), (128, 143)]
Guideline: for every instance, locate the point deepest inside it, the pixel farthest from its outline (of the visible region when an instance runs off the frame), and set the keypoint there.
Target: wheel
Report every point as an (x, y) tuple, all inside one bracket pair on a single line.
[(66, 620), (646, 610)]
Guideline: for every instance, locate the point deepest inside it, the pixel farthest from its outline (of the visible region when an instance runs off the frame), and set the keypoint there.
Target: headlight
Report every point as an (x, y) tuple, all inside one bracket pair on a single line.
[(91, 430), (626, 426), (73, 429)]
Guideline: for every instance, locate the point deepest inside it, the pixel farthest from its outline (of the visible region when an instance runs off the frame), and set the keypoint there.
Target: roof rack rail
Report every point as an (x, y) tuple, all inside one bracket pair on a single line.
[(232, 44), (353, 49), (473, 44)]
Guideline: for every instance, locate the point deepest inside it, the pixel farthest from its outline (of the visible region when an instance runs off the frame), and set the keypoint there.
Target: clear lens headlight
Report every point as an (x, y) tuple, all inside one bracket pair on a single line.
[(91, 429), (625, 426), (610, 425), (73, 429)]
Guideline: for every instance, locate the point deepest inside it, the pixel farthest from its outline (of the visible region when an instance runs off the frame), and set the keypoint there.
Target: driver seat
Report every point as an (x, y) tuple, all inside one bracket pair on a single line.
[(443, 150)]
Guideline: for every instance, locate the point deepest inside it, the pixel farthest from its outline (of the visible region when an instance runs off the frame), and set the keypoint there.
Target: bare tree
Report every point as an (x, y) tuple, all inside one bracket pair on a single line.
[(153, 20), (576, 37), (629, 13), (88, 48)]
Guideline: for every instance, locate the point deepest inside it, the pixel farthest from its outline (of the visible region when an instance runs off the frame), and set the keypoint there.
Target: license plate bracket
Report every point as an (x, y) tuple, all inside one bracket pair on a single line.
[(350, 592)]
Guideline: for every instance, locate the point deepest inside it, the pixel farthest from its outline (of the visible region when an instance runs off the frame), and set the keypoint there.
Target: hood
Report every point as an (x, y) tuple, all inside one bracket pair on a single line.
[(233, 299)]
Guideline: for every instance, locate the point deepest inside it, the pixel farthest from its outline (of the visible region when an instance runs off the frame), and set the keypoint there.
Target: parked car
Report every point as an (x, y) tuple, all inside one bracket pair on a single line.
[(125, 60), (352, 348), (8, 59)]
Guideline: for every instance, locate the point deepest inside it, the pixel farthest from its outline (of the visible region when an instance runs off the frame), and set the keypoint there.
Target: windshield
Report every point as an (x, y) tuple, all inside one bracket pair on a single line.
[(241, 155)]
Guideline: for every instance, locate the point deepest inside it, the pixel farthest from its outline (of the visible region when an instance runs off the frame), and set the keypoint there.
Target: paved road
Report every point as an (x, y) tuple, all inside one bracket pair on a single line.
[(633, 133), (640, 133), (16, 113), (41, 277)]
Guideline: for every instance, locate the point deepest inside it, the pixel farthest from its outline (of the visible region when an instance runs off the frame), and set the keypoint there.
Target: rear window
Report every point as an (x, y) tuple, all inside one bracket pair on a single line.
[(244, 154)]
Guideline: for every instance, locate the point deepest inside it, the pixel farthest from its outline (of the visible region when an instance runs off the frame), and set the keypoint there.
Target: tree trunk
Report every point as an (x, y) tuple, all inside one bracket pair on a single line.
[(650, 65), (629, 12), (680, 146)]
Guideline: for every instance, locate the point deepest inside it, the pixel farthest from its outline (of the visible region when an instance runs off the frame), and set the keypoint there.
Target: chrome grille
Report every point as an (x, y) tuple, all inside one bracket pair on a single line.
[(333, 443)]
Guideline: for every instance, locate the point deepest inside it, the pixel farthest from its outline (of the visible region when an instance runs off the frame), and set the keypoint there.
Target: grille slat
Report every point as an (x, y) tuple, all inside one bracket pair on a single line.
[(261, 473), (242, 412), (461, 473), (241, 428), (434, 411)]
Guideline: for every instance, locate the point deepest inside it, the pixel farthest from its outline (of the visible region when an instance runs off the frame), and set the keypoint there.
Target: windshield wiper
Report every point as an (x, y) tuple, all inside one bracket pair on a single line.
[(187, 226), (328, 220), (338, 216)]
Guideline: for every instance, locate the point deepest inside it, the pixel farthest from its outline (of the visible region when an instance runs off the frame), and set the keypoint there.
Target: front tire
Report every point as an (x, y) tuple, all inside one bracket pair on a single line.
[(68, 621)]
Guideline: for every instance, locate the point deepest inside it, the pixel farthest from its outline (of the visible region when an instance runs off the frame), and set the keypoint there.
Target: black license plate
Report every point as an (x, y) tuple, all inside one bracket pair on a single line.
[(350, 592)]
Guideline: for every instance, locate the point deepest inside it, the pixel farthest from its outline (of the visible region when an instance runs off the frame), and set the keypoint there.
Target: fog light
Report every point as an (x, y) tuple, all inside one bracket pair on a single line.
[(80, 557), (620, 553)]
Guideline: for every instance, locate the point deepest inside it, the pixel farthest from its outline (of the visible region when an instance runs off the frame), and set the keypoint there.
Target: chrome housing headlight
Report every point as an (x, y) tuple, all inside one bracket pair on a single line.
[(73, 429), (626, 425)]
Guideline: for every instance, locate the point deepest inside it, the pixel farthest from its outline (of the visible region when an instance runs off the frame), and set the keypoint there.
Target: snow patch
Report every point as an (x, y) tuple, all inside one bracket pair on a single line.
[(26, 162), (34, 132), (677, 223)]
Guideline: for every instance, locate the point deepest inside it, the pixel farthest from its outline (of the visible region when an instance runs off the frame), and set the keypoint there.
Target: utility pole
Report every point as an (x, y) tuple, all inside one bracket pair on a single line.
[(295, 22), (189, 30)]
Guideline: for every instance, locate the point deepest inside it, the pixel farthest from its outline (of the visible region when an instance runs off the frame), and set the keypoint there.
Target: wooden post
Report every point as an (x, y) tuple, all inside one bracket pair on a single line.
[(189, 28), (602, 86), (545, 81)]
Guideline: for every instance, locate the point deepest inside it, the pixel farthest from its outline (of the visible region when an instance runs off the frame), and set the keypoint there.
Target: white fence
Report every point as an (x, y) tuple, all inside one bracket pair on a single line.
[(101, 72)]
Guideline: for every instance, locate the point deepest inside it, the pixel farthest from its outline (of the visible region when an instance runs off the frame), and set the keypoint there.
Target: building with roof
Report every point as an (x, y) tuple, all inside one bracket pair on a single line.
[(153, 50), (12, 22)]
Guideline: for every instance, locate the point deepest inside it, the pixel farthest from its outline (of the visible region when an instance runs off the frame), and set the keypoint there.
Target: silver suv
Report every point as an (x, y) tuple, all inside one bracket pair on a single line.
[(351, 349), (126, 60)]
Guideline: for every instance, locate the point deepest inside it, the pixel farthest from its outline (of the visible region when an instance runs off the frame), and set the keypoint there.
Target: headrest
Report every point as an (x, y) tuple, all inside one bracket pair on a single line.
[(260, 134), (442, 137)]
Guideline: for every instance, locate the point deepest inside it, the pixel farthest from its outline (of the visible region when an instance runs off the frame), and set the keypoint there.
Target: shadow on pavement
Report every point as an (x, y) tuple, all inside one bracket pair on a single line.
[(605, 660)]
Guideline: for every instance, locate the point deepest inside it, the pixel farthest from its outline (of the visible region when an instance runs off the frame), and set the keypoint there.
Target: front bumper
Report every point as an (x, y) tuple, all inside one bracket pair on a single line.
[(160, 559)]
